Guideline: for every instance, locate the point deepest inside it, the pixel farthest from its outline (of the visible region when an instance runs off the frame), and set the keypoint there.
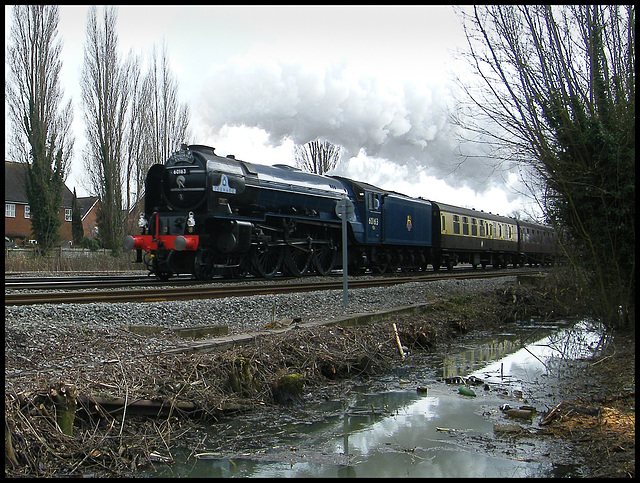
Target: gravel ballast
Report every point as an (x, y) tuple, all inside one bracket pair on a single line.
[(240, 314), (50, 339)]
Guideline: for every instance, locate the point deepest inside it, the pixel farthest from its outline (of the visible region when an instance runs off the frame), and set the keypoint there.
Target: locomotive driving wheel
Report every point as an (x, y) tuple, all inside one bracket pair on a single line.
[(267, 260), (297, 260), (324, 258)]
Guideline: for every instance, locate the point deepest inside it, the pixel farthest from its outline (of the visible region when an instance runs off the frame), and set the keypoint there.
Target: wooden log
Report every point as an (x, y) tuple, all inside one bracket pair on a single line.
[(287, 389), (9, 451), (142, 406), (64, 399), (519, 413)]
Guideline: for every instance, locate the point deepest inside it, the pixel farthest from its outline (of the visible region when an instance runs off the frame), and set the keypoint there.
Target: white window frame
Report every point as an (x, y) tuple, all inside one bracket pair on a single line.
[(9, 210), (68, 214), (27, 211)]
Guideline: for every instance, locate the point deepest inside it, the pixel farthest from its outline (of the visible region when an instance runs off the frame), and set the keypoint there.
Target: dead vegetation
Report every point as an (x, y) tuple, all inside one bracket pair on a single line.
[(112, 433), (601, 422)]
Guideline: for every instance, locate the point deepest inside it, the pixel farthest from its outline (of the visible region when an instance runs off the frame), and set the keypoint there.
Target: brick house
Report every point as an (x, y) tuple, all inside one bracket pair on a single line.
[(89, 213), (17, 223), (132, 217)]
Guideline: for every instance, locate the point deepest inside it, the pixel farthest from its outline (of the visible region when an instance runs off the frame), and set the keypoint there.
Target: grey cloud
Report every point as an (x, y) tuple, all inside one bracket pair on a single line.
[(407, 126)]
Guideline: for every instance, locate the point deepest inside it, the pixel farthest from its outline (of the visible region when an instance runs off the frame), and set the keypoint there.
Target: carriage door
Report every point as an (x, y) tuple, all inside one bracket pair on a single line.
[(373, 227)]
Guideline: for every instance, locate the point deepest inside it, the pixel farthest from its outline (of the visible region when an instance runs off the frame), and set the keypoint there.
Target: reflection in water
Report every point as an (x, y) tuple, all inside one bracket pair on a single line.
[(462, 362), (404, 433)]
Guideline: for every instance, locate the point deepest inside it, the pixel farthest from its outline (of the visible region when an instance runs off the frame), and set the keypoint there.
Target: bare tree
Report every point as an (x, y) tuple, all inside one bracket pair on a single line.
[(40, 127), (317, 156), (106, 91), (136, 132), (557, 93), (168, 119), (157, 124)]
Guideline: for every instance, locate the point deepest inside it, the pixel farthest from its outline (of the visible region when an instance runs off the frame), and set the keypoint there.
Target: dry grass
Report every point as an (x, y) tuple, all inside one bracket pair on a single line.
[(68, 260)]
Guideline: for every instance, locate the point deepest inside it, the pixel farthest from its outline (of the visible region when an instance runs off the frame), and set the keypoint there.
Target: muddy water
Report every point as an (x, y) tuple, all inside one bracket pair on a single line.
[(387, 427)]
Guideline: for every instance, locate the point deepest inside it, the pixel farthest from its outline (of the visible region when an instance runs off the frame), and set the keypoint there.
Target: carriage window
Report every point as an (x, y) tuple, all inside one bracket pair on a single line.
[(456, 224), (443, 225), (482, 228), (465, 225), (474, 227)]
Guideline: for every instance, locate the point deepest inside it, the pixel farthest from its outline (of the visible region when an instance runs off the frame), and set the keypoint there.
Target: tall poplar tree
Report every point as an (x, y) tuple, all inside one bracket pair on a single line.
[(40, 127), (106, 91)]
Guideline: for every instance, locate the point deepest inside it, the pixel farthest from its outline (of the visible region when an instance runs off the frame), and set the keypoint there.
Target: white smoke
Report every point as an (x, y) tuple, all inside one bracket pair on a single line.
[(402, 124)]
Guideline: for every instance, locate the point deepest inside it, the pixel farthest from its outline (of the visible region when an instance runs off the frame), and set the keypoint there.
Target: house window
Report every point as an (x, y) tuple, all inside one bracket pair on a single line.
[(27, 211), (9, 210), (67, 214)]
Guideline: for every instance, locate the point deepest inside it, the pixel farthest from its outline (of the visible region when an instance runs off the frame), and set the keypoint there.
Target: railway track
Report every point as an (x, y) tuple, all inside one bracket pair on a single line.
[(84, 282), (228, 290)]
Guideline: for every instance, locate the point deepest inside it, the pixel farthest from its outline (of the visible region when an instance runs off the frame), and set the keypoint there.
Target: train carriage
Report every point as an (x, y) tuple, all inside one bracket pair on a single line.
[(463, 235), (537, 244)]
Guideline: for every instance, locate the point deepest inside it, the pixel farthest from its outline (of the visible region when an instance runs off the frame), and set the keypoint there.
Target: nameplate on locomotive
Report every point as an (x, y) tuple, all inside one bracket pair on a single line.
[(224, 187)]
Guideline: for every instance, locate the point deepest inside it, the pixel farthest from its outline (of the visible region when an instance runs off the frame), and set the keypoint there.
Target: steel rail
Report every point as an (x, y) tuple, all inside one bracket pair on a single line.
[(217, 291), (79, 283)]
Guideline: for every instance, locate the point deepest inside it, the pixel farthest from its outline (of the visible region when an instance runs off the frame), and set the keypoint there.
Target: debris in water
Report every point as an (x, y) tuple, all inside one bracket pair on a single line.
[(465, 391)]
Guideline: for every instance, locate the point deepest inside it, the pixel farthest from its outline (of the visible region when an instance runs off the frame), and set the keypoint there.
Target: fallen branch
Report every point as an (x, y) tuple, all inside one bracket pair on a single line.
[(143, 406), (551, 415), (395, 331)]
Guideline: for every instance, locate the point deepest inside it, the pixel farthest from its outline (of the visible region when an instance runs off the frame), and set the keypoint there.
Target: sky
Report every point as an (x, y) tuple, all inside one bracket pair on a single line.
[(377, 80)]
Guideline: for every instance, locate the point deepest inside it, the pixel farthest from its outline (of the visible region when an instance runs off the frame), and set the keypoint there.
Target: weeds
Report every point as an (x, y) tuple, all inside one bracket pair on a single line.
[(69, 260)]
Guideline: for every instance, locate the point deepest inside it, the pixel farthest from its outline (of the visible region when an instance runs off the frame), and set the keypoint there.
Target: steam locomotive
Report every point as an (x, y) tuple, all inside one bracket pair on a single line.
[(210, 216)]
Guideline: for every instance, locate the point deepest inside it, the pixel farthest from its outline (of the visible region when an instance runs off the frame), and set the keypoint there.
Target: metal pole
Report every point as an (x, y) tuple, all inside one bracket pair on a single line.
[(345, 296)]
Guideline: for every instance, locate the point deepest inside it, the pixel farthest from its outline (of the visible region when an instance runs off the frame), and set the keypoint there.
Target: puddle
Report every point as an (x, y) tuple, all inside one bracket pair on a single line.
[(386, 428)]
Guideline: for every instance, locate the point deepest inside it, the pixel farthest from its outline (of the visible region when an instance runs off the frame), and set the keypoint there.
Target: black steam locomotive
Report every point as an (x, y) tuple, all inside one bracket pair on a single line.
[(208, 216)]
